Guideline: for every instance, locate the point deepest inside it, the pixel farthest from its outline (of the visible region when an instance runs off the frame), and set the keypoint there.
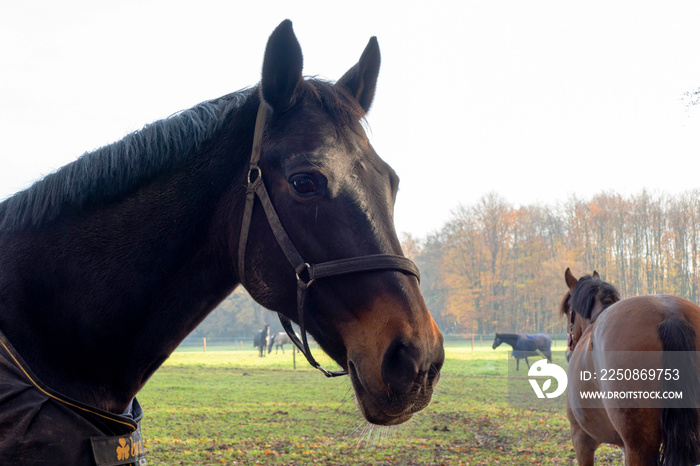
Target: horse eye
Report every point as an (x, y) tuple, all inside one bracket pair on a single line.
[(303, 184)]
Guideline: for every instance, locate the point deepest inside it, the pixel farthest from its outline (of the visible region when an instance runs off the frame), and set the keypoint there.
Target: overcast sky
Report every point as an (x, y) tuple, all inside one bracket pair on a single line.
[(533, 100)]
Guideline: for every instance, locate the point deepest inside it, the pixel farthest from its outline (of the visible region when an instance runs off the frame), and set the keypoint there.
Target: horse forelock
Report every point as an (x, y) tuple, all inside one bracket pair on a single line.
[(342, 108), (119, 168), (588, 291)]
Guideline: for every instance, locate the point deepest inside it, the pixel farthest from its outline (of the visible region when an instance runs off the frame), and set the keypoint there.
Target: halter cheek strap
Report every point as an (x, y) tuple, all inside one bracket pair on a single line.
[(306, 273), (570, 342)]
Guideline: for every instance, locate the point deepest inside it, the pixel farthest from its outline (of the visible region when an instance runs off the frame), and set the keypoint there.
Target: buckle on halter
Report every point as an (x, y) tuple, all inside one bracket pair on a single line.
[(328, 373)]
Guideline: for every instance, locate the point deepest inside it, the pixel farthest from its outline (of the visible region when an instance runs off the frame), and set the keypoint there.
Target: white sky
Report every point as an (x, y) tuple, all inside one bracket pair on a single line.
[(533, 100)]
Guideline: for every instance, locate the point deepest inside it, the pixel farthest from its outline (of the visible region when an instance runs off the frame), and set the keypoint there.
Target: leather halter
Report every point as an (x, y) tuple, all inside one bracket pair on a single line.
[(306, 273), (571, 341)]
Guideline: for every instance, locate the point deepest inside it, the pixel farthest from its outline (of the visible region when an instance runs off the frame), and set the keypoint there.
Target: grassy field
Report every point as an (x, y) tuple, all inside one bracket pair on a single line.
[(227, 406)]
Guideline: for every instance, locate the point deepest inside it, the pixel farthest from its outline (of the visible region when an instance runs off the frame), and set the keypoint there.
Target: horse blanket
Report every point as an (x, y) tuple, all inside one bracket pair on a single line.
[(528, 345), (41, 427)]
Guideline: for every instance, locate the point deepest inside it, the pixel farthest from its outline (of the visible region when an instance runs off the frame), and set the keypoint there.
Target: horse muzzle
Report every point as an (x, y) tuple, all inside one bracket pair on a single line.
[(405, 387), (394, 377)]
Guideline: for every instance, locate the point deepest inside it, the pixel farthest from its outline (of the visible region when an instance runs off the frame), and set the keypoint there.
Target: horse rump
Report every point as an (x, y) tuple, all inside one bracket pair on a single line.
[(679, 424)]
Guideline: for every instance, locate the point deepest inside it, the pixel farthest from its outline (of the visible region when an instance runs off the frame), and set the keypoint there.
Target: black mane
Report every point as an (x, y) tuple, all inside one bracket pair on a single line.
[(588, 290), (106, 173), (123, 166)]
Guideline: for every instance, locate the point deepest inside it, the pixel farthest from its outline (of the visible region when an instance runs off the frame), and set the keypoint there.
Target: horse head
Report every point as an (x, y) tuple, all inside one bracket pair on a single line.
[(497, 341), (271, 342), (334, 197), (587, 297)]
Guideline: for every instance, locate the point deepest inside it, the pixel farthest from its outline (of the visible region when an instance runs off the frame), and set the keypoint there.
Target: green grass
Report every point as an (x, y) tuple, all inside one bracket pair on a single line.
[(231, 407)]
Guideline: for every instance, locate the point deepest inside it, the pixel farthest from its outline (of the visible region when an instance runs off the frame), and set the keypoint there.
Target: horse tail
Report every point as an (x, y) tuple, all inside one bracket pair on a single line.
[(679, 425)]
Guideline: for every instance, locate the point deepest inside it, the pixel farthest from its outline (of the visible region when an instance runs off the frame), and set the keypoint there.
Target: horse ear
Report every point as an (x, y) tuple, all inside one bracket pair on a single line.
[(281, 71), (361, 79), (595, 275), (571, 281)]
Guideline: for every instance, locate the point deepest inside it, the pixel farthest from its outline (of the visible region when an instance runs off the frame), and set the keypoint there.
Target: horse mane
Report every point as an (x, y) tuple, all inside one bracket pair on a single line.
[(105, 174), (587, 291)]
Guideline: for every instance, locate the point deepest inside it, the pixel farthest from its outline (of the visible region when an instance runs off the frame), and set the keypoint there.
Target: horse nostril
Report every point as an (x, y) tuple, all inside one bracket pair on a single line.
[(400, 367), (434, 372), (436, 366)]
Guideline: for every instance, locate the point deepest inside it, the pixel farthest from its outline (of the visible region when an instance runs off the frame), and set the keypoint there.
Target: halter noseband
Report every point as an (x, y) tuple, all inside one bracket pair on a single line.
[(306, 273)]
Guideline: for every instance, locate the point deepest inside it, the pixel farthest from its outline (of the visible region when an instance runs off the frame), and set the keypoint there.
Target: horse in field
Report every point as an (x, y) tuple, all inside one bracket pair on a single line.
[(525, 345), (278, 340), (109, 263), (261, 339), (612, 338)]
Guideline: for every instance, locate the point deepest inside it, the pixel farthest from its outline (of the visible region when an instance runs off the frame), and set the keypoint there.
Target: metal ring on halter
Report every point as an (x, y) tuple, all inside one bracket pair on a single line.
[(257, 177), (305, 268)]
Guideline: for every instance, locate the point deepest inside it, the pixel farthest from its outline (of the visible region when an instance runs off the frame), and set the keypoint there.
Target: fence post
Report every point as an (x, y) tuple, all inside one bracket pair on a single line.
[(204, 340)]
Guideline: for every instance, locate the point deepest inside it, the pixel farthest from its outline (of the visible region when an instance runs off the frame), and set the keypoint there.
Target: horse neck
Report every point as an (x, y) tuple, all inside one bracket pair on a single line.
[(100, 299), (510, 338)]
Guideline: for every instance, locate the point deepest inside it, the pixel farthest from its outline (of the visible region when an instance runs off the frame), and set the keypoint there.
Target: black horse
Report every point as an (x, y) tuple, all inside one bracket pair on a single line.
[(261, 340), (109, 263), (525, 345)]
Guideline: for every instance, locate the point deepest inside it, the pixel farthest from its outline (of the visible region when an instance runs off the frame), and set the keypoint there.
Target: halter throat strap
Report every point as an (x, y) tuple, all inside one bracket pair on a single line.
[(306, 273)]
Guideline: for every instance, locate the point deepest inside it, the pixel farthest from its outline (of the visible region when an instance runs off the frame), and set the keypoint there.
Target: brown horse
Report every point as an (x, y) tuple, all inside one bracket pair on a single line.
[(601, 328), (109, 263)]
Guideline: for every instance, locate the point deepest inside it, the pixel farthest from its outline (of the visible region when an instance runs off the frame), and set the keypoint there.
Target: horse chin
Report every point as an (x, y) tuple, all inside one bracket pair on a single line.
[(380, 408), (393, 365), (375, 403)]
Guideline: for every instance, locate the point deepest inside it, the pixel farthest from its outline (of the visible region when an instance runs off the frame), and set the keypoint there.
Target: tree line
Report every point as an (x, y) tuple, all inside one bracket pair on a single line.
[(499, 267)]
